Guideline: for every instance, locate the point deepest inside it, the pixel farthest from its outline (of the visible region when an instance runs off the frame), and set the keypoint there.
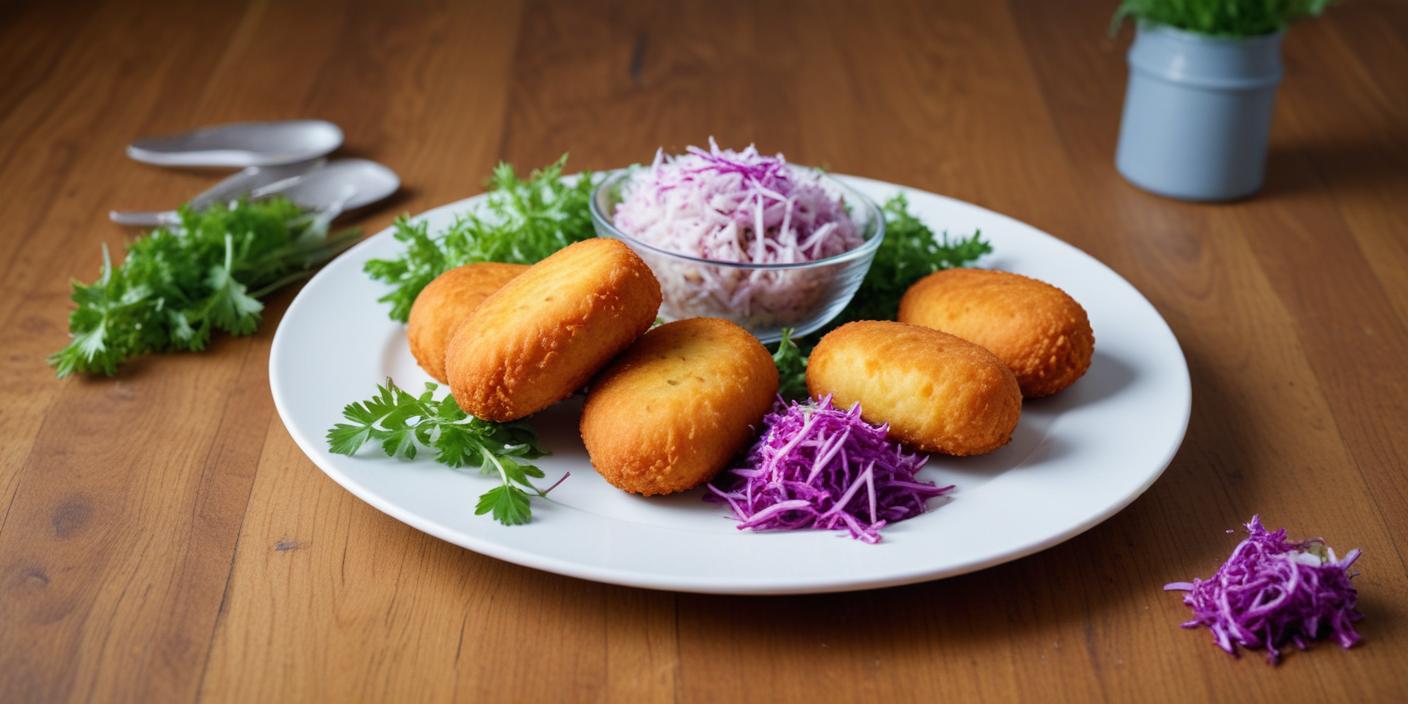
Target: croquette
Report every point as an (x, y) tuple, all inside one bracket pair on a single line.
[(445, 303), (669, 413), (1041, 333), (938, 393), (546, 332)]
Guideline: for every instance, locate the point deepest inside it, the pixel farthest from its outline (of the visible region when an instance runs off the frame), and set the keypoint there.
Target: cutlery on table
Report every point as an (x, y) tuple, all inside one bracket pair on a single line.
[(237, 185), (241, 144), (335, 187)]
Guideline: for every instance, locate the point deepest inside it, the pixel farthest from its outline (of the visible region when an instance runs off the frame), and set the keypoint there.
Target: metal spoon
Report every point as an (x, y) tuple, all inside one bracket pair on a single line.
[(237, 185), (338, 186), (346, 183), (241, 144)]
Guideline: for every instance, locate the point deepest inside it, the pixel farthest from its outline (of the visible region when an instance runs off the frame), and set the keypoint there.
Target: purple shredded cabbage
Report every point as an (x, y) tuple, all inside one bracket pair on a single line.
[(736, 206), (818, 467), (1271, 592), (741, 207)]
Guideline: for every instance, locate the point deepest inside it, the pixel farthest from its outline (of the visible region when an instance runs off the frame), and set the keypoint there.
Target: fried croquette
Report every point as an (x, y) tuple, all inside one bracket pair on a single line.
[(546, 332), (1036, 329), (670, 412), (938, 393), (445, 303)]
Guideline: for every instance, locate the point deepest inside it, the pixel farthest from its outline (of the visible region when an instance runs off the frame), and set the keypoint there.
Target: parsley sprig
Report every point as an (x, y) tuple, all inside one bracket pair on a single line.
[(521, 221), (180, 283), (791, 368), (402, 424), (909, 252)]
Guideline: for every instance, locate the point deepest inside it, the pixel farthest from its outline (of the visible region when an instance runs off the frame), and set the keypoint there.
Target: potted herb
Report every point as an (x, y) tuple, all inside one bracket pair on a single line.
[(1202, 83)]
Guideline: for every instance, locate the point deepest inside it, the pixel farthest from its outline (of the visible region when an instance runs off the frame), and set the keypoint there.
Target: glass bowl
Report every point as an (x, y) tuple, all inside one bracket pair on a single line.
[(762, 298)]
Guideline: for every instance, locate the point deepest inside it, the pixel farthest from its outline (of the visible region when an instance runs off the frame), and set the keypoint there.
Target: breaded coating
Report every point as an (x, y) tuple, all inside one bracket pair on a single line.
[(672, 411), (1039, 331), (546, 332), (445, 303), (938, 393)]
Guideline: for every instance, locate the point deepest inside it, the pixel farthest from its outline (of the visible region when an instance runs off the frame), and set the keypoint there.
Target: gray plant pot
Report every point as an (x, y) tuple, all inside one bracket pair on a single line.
[(1197, 113)]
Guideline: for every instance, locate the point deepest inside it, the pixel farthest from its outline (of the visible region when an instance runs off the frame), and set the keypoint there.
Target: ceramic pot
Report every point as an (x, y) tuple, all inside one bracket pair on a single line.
[(1197, 112)]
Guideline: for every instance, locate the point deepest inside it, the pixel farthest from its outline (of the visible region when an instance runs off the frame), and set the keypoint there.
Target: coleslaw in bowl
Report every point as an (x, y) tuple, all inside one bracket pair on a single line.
[(700, 236)]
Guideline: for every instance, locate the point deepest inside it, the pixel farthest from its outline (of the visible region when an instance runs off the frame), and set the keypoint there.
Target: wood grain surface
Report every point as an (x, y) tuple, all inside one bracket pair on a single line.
[(162, 538)]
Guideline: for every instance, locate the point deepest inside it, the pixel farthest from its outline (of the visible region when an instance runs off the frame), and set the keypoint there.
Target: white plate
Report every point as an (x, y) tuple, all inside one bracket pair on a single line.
[(1075, 459)]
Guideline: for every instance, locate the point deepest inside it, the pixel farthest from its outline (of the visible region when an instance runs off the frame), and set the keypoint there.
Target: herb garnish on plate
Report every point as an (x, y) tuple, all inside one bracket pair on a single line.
[(402, 424), (521, 221), (910, 252)]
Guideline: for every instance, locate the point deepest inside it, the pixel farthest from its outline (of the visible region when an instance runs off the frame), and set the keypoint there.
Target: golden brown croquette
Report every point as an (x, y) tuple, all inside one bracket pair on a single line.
[(1041, 333), (669, 413), (445, 303), (938, 393), (546, 332)]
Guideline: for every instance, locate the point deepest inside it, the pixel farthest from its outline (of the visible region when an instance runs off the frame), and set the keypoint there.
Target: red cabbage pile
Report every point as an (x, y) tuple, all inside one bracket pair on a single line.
[(819, 467), (735, 206), (1271, 592), (741, 207)]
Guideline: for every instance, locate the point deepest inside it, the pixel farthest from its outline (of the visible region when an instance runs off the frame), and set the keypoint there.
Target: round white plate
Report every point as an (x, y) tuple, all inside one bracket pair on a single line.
[(1075, 459)]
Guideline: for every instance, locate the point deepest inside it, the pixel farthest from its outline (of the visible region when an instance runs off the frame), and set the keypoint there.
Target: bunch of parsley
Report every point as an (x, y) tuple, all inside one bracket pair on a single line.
[(1221, 18), (402, 423), (180, 283), (521, 221), (909, 252)]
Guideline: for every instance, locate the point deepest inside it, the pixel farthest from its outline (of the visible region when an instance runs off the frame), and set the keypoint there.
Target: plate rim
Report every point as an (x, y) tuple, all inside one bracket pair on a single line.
[(313, 450)]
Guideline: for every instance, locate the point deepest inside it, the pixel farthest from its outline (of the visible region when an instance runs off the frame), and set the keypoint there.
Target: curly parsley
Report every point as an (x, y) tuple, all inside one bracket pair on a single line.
[(402, 423), (521, 221), (910, 252), (179, 283), (791, 368)]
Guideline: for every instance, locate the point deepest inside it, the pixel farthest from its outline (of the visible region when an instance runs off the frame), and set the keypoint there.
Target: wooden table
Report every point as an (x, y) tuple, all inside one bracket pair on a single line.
[(162, 539)]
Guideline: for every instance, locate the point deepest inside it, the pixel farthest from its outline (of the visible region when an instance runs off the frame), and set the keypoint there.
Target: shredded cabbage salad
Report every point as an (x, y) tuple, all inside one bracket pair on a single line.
[(742, 207), (819, 467), (1271, 592)]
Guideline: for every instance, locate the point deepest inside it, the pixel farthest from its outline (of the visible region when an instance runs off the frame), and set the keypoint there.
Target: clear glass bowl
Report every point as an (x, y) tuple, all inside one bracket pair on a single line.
[(762, 298)]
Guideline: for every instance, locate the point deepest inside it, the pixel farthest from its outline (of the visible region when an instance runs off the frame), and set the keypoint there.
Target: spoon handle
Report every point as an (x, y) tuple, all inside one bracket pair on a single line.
[(241, 184), (135, 218)]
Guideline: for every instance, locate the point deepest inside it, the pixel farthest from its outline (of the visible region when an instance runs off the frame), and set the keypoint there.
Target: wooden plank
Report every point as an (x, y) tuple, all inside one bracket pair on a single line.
[(1262, 450), (338, 602), (91, 508), (59, 144), (613, 86), (161, 537), (1341, 116), (120, 540), (333, 599)]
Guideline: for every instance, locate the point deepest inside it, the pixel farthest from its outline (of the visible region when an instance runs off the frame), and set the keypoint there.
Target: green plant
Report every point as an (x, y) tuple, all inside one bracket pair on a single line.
[(1223, 18)]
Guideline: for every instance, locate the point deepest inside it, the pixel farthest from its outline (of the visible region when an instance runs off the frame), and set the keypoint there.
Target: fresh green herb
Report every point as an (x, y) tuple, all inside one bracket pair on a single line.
[(910, 252), (521, 221), (180, 282), (1223, 18), (791, 368), (402, 424)]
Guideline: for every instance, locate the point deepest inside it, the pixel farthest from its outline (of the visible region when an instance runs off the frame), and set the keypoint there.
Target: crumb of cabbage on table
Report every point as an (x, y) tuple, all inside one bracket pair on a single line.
[(1272, 592)]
